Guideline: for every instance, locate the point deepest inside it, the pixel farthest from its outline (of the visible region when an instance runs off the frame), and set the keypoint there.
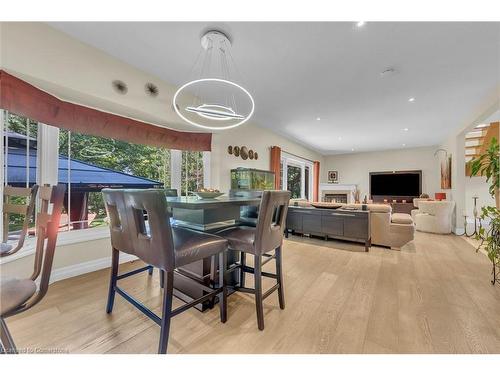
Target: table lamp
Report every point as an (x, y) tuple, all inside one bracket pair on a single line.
[(440, 196)]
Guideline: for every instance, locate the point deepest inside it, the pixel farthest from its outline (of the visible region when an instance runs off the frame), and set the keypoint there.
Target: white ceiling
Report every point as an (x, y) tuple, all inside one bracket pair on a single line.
[(298, 71)]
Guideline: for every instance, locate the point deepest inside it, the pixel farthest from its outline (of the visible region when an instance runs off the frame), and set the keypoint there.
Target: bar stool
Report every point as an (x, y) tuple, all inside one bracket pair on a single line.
[(18, 295), (259, 241), (168, 193), (160, 246)]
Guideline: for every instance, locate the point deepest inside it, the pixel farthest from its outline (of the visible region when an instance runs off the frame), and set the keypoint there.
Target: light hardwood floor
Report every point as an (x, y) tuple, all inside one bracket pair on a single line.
[(433, 296)]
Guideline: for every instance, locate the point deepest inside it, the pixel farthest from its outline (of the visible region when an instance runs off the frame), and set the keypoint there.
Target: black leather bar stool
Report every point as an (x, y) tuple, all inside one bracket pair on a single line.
[(168, 193), (18, 295), (159, 245), (259, 241)]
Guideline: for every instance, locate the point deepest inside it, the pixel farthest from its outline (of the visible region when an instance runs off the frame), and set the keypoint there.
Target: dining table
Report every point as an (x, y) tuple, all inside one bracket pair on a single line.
[(209, 216)]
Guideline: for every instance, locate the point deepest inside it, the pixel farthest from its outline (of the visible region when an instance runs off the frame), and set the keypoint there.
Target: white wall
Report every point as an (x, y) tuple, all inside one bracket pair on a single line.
[(255, 138), (355, 168), (461, 186), (477, 186)]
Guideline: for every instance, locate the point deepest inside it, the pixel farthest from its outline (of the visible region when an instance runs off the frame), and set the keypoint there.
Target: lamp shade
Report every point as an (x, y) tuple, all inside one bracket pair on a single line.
[(440, 196)]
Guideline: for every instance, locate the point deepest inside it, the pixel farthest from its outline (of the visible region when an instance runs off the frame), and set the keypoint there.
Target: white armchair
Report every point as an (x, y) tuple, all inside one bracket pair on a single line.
[(434, 216)]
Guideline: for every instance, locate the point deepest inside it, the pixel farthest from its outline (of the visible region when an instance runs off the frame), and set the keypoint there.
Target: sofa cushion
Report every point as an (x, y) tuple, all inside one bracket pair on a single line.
[(399, 218), (379, 207)]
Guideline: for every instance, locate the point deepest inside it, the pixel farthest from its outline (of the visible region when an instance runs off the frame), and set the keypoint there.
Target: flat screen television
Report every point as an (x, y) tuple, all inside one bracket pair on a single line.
[(396, 184)]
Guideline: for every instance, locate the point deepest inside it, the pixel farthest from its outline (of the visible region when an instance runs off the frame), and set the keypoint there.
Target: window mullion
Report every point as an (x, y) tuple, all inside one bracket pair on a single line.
[(285, 174), (176, 169), (3, 118), (302, 180), (47, 155), (206, 169)]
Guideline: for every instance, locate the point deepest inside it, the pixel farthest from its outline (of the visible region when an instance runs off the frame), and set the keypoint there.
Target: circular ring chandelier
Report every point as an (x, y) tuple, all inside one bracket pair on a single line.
[(213, 100)]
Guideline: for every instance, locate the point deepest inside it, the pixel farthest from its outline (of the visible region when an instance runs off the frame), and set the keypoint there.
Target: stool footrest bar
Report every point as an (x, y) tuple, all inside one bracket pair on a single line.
[(195, 302), (270, 291), (139, 270), (270, 258), (139, 305)]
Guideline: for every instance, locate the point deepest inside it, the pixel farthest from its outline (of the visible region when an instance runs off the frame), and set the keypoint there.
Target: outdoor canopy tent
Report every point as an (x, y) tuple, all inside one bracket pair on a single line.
[(84, 177)]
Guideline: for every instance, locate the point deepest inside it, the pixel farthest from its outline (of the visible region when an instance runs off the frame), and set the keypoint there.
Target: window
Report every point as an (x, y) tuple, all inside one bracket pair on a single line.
[(296, 176), (192, 172), (19, 162), (87, 164), (294, 180)]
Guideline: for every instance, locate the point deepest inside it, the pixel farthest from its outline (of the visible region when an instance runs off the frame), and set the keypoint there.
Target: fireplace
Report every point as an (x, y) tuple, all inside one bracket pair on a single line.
[(335, 197), (341, 193)]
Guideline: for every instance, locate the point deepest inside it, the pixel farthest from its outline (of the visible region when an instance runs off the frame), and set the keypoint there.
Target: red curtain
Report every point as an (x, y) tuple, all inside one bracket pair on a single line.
[(316, 181), (275, 165), (21, 98)]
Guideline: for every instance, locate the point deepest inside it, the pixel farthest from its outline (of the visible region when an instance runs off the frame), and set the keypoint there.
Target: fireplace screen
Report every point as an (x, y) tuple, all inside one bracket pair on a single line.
[(337, 198)]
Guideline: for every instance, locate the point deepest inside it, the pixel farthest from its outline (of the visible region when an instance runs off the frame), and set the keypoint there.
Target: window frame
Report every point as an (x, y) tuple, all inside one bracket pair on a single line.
[(296, 161)]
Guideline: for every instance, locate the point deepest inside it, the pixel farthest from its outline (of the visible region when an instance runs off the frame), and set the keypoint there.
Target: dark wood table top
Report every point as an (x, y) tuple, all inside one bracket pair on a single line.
[(195, 203)]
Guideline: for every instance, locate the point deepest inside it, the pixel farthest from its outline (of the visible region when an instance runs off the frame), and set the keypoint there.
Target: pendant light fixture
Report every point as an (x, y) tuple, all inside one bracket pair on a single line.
[(212, 99)]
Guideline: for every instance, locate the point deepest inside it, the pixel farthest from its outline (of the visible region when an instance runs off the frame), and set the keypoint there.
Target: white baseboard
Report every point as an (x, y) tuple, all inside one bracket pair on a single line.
[(86, 267)]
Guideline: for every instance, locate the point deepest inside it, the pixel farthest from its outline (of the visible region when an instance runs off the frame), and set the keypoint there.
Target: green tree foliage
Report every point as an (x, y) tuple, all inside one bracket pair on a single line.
[(192, 172), (294, 181)]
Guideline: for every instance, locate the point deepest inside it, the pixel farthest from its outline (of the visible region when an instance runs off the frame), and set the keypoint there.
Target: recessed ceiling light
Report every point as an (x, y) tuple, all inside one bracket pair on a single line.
[(404, 144), (340, 138), (318, 119), (406, 129), (360, 23), (352, 149), (412, 99)]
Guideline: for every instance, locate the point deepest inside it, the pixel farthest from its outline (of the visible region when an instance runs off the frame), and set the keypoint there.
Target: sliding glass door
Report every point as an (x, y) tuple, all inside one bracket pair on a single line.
[(296, 176)]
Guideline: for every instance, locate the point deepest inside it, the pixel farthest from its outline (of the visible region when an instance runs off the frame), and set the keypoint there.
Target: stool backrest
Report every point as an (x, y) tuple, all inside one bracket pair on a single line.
[(271, 222), (118, 222), (47, 228), (153, 243), (10, 206)]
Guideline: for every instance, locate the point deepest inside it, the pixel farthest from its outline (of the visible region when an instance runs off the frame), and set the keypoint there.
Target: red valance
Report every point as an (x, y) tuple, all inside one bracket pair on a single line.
[(22, 98)]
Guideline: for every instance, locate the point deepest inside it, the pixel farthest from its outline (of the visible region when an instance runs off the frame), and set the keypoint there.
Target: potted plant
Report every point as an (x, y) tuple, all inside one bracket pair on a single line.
[(488, 165)]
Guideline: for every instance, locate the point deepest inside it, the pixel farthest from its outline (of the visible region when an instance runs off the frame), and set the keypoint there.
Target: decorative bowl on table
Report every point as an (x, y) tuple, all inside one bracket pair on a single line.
[(207, 193), (332, 205)]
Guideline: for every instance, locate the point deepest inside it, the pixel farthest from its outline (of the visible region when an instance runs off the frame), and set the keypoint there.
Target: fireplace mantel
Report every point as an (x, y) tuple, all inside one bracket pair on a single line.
[(348, 189)]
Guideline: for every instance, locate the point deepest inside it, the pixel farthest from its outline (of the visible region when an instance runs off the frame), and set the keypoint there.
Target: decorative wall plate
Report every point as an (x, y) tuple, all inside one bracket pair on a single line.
[(244, 153), (236, 151), (250, 154), (230, 150), (256, 155)]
